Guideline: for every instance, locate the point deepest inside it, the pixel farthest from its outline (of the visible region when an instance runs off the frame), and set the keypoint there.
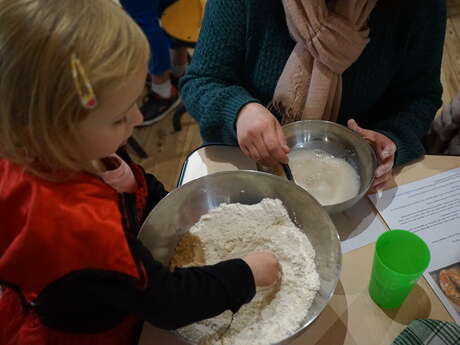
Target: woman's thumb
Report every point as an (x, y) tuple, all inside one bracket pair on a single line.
[(354, 126)]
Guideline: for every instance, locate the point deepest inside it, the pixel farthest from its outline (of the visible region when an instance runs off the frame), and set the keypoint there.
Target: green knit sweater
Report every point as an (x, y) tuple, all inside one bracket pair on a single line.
[(394, 86)]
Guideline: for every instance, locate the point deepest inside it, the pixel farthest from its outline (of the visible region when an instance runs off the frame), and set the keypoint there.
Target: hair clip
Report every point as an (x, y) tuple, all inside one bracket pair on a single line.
[(85, 90)]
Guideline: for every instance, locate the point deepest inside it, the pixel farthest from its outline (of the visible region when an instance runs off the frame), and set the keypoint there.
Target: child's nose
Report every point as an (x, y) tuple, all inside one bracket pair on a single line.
[(137, 117)]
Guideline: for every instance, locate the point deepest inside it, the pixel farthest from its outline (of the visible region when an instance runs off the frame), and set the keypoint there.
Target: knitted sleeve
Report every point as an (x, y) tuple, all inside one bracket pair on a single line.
[(414, 95), (213, 90)]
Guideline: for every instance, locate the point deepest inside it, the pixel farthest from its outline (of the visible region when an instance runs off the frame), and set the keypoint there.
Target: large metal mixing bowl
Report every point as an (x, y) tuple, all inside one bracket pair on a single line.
[(183, 207), (340, 142)]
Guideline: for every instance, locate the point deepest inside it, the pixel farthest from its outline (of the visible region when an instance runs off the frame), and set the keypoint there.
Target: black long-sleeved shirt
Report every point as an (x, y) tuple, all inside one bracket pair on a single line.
[(94, 300)]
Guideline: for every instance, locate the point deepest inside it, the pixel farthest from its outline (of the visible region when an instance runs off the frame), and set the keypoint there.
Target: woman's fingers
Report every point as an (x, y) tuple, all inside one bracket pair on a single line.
[(250, 151), (384, 168), (354, 126), (266, 149), (281, 138), (382, 180), (379, 187), (260, 135), (274, 147), (385, 150), (383, 173), (366, 134), (385, 147), (386, 153), (255, 154)]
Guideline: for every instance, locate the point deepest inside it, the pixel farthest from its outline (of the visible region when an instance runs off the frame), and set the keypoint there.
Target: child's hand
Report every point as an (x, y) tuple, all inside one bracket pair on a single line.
[(265, 268)]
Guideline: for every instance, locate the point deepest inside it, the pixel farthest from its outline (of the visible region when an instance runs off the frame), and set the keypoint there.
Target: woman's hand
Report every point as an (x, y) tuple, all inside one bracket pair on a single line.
[(385, 150), (260, 135)]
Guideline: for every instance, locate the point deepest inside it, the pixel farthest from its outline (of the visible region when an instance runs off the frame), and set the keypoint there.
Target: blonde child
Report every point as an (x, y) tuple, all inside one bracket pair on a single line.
[(71, 268)]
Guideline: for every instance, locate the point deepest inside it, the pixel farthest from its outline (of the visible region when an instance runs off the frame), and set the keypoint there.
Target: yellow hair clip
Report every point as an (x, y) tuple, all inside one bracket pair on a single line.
[(85, 90)]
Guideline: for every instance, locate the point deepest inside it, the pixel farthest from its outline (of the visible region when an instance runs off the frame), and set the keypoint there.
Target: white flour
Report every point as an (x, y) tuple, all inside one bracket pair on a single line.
[(329, 179), (234, 230)]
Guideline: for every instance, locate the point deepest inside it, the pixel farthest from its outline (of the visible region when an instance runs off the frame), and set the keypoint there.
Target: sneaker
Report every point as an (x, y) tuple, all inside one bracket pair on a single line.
[(154, 107)]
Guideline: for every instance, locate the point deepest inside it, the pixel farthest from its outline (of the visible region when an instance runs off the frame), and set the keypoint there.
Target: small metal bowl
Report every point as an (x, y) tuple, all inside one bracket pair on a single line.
[(341, 142), (182, 208)]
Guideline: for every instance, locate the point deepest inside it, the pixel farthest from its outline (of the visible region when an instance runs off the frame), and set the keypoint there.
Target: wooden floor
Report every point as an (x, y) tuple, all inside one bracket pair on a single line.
[(168, 149)]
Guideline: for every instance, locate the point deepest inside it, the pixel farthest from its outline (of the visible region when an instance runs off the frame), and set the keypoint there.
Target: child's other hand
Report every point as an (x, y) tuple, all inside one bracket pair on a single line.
[(265, 268)]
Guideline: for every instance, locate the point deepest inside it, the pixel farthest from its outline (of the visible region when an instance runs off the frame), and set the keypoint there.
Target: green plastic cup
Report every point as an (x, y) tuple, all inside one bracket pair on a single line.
[(400, 259)]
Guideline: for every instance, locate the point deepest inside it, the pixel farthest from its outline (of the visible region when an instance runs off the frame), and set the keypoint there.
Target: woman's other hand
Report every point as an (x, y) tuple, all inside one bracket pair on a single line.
[(260, 135), (385, 150)]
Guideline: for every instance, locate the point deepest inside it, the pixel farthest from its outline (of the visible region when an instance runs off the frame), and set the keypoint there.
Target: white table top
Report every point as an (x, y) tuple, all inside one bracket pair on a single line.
[(351, 318)]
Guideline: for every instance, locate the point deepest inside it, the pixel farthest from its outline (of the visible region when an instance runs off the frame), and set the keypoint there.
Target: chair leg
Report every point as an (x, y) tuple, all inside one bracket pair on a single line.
[(137, 148), (180, 111)]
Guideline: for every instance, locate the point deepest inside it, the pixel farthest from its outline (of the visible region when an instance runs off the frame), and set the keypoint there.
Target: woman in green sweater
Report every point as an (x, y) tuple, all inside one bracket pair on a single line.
[(380, 64)]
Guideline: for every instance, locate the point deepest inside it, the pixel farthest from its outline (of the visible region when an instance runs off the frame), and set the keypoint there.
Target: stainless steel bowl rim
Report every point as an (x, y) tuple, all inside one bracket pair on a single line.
[(352, 133), (254, 172), (281, 180)]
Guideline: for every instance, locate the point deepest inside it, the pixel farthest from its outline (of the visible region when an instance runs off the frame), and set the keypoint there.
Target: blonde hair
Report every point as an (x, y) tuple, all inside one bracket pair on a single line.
[(39, 104)]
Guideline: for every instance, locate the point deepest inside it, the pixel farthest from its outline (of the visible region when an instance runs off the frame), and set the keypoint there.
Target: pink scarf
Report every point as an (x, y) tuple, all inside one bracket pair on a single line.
[(329, 36)]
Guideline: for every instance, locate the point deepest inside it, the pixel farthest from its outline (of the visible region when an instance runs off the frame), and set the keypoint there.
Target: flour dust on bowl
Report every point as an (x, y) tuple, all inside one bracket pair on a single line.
[(287, 204), (331, 162)]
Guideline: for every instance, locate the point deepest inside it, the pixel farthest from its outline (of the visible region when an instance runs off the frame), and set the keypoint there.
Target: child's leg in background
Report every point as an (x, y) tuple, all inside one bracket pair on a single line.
[(146, 13), (180, 60), (163, 96), (179, 53)]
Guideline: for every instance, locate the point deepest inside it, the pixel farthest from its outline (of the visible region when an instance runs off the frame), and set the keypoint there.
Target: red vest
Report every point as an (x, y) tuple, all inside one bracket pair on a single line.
[(48, 230)]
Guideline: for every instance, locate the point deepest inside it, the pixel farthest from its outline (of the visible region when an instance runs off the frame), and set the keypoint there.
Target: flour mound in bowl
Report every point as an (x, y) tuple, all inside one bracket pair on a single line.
[(234, 230)]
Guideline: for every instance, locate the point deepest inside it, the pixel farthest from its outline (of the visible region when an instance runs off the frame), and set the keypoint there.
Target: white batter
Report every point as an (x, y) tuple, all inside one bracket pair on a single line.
[(328, 179), (234, 230)]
